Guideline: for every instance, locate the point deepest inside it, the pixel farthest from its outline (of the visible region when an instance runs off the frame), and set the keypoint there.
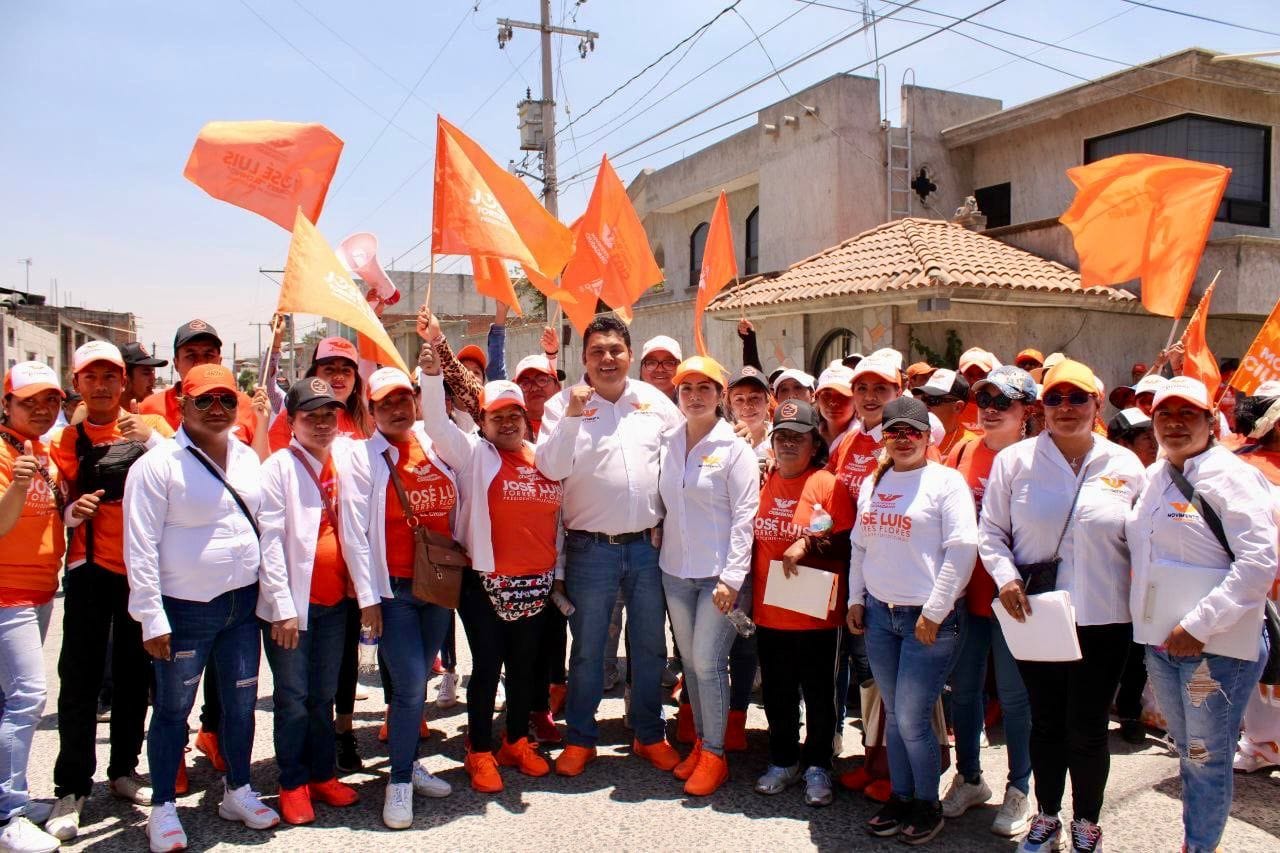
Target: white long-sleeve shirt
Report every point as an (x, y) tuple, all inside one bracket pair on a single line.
[(914, 540), (184, 535), (710, 496), (607, 458), (1026, 503), (1164, 527)]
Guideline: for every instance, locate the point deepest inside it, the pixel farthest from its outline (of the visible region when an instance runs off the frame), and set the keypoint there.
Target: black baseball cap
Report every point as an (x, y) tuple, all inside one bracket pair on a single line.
[(909, 411), (192, 330), (795, 415), (749, 374), (309, 393), (136, 355)]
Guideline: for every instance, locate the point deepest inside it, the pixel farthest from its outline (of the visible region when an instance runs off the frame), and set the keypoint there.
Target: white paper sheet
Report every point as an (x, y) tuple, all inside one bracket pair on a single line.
[(1049, 634), (1174, 590), (811, 592)]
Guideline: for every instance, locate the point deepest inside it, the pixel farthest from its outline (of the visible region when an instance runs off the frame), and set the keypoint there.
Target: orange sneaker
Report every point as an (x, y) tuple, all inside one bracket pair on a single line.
[(295, 806), (181, 784), (856, 779), (558, 694), (685, 768), (660, 754), (880, 790), (574, 759), (207, 742), (331, 792), (686, 732), (735, 732), (483, 771), (712, 772), (523, 757)]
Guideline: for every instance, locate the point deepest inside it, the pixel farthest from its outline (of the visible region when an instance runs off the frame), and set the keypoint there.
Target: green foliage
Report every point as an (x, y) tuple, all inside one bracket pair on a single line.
[(247, 379), (950, 358)]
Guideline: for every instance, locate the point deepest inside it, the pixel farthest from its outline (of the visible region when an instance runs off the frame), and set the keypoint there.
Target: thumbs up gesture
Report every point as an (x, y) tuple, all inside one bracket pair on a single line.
[(25, 467), (132, 426), (86, 506)]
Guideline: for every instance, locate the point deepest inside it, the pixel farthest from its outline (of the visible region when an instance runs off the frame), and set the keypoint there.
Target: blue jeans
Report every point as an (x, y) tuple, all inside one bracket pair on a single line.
[(23, 687), (226, 630), (594, 572), (911, 676), (412, 634), (982, 634), (1203, 699), (306, 681), (704, 636)]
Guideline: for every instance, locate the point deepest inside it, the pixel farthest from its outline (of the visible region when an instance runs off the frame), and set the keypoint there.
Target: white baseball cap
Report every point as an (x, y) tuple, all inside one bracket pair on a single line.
[(388, 379), (1183, 388), (664, 343), (978, 357), (501, 393), (540, 363), (1149, 384), (93, 351), (1270, 388), (799, 376), (28, 378), (337, 348), (884, 363), (837, 377)]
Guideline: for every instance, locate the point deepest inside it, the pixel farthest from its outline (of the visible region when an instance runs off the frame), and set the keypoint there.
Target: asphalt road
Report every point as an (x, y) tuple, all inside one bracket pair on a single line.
[(620, 802)]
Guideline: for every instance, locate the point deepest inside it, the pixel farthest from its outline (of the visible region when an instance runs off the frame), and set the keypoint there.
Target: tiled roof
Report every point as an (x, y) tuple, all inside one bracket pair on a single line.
[(906, 254)]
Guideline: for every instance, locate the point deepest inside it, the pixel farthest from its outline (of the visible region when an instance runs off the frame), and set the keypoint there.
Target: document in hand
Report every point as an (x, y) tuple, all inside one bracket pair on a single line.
[(1049, 634), (811, 592), (1174, 590)]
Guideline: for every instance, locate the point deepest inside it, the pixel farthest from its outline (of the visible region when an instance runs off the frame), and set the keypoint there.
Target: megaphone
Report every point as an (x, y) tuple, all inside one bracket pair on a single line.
[(359, 253)]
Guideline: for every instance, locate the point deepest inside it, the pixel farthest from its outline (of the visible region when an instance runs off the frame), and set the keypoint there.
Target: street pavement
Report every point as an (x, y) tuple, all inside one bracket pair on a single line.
[(620, 802)]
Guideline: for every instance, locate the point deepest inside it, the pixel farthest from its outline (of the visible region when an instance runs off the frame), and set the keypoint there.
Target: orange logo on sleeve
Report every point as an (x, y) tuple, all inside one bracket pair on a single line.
[(642, 407), (1115, 482)]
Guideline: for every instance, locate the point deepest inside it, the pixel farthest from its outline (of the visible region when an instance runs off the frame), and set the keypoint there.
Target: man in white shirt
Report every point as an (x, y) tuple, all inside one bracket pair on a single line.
[(601, 438)]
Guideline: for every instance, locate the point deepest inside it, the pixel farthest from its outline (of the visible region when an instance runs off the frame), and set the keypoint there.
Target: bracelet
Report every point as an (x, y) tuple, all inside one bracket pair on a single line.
[(551, 354)]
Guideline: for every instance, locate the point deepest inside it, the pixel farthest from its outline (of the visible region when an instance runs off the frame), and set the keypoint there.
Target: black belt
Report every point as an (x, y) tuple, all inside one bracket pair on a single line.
[(610, 538)]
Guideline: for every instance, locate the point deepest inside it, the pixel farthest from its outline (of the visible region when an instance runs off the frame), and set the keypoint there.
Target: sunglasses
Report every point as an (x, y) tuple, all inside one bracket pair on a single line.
[(204, 402), (665, 364), (899, 432), (987, 400), (1076, 398), (932, 400)]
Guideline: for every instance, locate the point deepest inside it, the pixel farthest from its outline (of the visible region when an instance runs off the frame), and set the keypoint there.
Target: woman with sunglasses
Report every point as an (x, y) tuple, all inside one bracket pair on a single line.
[(913, 550), (1003, 399), (1056, 506)]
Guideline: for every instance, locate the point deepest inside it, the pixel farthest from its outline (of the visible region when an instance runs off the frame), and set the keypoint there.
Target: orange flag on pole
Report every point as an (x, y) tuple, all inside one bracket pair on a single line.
[(1144, 216), (1262, 362), (316, 282), (482, 209), (719, 267), (269, 167), (1198, 362), (492, 280)]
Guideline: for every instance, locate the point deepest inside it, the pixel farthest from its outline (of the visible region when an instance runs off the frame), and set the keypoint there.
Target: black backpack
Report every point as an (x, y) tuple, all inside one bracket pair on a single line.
[(105, 467)]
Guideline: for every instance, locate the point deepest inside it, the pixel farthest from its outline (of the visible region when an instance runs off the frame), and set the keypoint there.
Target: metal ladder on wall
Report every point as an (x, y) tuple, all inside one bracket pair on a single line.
[(898, 161)]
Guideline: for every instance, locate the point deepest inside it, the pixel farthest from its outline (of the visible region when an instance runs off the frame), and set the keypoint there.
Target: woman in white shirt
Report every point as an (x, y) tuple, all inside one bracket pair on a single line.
[(709, 482), (1064, 497), (194, 565), (913, 549), (1204, 523)]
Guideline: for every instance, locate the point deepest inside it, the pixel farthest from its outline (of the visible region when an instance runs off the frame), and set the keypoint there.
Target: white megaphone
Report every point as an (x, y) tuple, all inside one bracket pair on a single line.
[(359, 253)]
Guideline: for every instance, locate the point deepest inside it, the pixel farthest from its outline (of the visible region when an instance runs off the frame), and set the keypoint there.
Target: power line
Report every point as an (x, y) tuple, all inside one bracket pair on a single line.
[(1205, 18)]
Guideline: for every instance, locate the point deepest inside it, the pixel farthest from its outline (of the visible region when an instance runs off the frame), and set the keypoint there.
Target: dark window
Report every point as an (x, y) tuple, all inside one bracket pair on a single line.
[(994, 202), (835, 344), (752, 263), (1245, 148), (697, 245)]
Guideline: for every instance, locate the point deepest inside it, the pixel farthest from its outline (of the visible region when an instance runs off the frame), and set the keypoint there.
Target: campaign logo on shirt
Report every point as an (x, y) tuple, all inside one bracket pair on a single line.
[(533, 488), (1114, 485), (712, 462), (783, 507), (589, 414), (880, 520), (883, 501), (777, 526), (1183, 512), (642, 407), (425, 473)]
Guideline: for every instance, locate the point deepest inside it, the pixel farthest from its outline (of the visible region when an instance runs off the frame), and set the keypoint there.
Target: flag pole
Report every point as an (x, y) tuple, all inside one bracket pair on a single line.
[(1174, 331), (431, 277)]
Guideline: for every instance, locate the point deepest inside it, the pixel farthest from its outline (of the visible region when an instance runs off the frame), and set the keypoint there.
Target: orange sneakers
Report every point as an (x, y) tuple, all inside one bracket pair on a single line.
[(483, 770), (523, 757), (686, 732), (574, 759), (384, 732), (856, 779), (295, 806), (735, 732), (712, 772), (331, 792), (207, 742), (685, 768), (660, 754), (880, 790)]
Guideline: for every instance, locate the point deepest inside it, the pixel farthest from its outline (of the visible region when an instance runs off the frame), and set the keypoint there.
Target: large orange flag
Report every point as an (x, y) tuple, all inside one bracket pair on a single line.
[(1198, 362), (1262, 362), (316, 282), (1144, 216), (269, 167), (492, 280), (719, 267), (482, 209), (580, 308), (612, 260)]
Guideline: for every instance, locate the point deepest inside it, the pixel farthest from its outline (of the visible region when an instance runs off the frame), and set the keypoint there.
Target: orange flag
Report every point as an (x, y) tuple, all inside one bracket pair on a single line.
[(612, 260), (1262, 362), (580, 308), (1198, 362), (719, 267), (316, 282), (1144, 216), (269, 167), (492, 280), (482, 209)]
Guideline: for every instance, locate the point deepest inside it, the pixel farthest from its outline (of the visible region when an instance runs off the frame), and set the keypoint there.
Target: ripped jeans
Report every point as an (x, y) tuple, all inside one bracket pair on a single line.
[(1203, 699), (226, 630)]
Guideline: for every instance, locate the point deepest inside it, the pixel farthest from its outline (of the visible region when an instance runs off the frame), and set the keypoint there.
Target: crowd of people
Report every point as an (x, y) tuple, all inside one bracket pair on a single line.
[(858, 538)]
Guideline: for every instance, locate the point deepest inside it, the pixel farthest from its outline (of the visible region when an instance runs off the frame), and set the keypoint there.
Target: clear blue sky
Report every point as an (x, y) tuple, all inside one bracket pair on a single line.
[(104, 99)]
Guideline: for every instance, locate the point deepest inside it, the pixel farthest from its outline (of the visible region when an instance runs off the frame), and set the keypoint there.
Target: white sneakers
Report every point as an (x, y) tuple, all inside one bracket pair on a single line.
[(397, 807), (64, 821), (962, 796), (164, 830), (429, 785), (447, 695), (22, 836), (1014, 816), (131, 789), (242, 804)]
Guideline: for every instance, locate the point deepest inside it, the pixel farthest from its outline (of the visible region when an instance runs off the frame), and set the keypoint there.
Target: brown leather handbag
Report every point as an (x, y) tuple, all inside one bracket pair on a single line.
[(438, 560)]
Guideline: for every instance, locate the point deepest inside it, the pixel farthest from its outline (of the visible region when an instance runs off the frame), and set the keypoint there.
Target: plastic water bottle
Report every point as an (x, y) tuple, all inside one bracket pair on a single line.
[(741, 622), (368, 651), (820, 521)]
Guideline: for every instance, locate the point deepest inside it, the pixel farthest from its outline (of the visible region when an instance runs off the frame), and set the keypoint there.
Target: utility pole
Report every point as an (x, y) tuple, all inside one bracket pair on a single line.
[(27, 261)]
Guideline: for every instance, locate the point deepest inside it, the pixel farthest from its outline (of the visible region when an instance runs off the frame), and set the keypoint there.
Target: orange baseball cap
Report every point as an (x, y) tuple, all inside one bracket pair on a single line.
[(704, 364), (28, 378), (1073, 373), (471, 352), (208, 377), (920, 368), (337, 348), (1030, 354)]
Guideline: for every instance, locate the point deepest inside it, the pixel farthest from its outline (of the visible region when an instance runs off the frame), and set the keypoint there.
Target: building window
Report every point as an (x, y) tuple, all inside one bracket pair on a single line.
[(12, 337), (835, 344), (49, 360), (31, 356), (995, 204), (697, 245), (1245, 148), (751, 266)]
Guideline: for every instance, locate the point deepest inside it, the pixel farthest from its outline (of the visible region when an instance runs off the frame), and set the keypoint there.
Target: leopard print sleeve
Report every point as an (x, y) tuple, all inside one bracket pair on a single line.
[(464, 387)]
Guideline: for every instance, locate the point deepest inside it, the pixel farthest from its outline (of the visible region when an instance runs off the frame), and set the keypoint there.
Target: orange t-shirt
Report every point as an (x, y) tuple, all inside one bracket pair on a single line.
[(786, 507), (958, 436), (1266, 461), (524, 513), (165, 404), (431, 497), (535, 427), (30, 553), (973, 459), (279, 435), (969, 417), (330, 581), (108, 522), (855, 459)]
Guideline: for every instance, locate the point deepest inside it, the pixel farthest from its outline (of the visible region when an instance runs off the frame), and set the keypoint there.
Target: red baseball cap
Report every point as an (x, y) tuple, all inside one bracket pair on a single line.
[(471, 352)]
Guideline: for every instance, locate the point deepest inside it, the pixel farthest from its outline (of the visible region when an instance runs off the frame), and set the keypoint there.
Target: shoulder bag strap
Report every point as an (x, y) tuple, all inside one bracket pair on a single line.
[(1084, 471), (1202, 506), (213, 469), (409, 517), (325, 500), (84, 445)]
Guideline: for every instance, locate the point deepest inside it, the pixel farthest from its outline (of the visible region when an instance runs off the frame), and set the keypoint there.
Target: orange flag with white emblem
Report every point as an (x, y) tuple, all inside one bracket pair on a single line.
[(719, 267), (316, 282), (1144, 216), (1262, 362), (269, 167), (1198, 362)]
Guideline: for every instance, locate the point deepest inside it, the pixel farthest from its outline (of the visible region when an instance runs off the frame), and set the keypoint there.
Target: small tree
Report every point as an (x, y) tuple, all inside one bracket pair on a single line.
[(247, 380)]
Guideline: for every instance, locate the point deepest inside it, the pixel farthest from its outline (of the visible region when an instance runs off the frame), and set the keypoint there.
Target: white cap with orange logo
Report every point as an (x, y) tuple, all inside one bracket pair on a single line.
[(387, 379)]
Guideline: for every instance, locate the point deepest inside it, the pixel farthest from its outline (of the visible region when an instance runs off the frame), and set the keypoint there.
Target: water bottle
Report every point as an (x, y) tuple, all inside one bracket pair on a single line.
[(368, 651), (820, 521), (741, 623)]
